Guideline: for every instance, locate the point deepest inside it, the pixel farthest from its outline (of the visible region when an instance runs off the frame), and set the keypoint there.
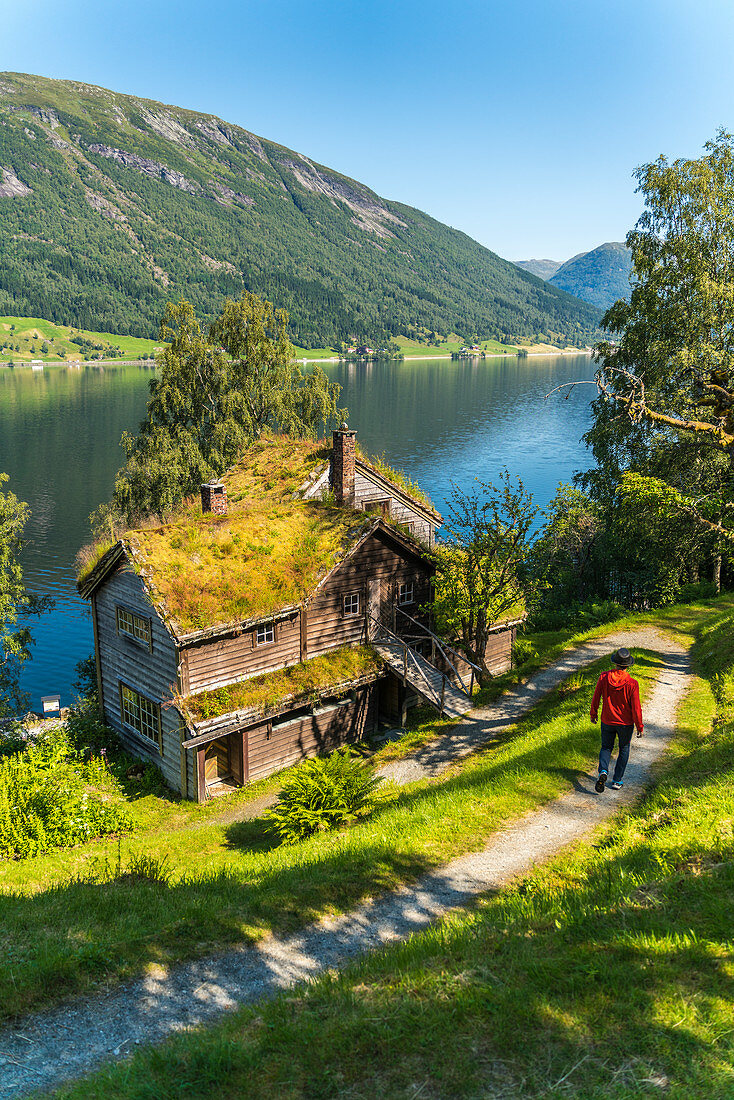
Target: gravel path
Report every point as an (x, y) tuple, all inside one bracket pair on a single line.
[(45, 1049)]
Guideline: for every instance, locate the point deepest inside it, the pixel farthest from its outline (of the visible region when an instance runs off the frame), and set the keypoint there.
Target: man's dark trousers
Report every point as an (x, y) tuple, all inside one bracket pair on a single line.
[(608, 733)]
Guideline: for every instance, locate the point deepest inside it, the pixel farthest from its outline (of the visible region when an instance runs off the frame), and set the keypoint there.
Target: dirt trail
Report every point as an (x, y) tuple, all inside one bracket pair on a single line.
[(43, 1050)]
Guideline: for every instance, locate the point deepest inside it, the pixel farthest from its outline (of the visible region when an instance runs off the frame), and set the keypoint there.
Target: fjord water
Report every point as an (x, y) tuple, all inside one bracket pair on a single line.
[(442, 422)]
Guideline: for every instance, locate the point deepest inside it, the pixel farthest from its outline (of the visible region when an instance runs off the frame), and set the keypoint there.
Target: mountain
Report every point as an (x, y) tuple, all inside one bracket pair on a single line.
[(600, 277), (111, 205), (542, 268)]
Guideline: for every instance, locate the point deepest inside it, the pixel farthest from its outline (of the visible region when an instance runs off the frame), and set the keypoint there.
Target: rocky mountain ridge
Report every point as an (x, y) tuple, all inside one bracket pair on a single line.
[(110, 205)]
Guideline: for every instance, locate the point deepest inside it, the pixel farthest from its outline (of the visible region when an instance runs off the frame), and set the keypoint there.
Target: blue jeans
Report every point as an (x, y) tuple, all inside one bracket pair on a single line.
[(608, 733)]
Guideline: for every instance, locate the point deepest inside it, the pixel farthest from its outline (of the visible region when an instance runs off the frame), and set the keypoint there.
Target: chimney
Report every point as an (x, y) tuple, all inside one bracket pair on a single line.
[(342, 464), (214, 498)]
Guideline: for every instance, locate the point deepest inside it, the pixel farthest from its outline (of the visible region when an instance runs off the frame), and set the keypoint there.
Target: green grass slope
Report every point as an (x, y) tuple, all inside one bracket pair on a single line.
[(111, 205), (608, 973), (23, 339), (600, 277)]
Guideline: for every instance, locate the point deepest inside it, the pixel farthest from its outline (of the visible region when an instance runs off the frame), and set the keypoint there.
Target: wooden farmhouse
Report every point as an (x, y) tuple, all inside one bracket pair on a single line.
[(281, 615)]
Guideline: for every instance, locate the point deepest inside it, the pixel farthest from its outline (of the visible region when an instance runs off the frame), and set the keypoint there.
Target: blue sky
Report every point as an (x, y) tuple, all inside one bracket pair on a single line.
[(518, 123)]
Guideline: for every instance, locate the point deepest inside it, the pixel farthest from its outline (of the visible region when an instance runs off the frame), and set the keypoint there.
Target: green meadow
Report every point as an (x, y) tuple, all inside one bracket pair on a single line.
[(606, 973), (23, 339)]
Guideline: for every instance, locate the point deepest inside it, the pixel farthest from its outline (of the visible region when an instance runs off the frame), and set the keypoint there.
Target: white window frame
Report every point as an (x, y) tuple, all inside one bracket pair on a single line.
[(406, 593), (140, 714), (265, 634), (138, 628), (349, 610)]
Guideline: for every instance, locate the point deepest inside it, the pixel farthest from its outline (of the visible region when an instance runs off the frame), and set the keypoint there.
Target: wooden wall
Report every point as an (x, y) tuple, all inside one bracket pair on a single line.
[(277, 745), (498, 653), (366, 492), (151, 672), (374, 571), (221, 661)]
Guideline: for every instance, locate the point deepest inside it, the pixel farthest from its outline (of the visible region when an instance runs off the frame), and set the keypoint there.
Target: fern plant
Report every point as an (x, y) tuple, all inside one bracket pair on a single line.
[(323, 793)]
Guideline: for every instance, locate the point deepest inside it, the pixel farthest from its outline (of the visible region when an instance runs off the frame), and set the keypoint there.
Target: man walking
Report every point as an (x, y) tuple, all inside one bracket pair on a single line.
[(620, 711)]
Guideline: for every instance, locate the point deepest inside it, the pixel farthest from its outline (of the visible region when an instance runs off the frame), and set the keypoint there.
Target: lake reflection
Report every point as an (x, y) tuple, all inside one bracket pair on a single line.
[(441, 421)]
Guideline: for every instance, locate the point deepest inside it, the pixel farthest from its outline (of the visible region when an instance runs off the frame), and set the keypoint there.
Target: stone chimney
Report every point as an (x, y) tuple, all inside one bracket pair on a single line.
[(342, 464), (214, 498)]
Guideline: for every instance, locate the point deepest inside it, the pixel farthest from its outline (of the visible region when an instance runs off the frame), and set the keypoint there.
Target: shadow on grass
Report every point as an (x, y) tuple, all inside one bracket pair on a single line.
[(595, 989), (254, 835), (71, 934)]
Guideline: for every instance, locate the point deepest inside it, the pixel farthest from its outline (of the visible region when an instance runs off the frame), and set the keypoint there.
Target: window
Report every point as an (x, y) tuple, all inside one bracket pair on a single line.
[(382, 506), (405, 594), (265, 634), (351, 603), (133, 626), (140, 714)]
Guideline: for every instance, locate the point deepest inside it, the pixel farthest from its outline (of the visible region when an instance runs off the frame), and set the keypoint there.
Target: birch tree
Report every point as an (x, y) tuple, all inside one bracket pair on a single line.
[(666, 385)]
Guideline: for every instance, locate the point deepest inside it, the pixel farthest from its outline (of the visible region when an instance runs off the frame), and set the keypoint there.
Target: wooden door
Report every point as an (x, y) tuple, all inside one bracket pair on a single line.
[(217, 765), (374, 604)]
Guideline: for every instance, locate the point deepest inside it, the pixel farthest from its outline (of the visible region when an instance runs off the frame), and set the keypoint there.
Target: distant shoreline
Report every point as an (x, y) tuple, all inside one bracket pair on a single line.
[(425, 358), (26, 365)]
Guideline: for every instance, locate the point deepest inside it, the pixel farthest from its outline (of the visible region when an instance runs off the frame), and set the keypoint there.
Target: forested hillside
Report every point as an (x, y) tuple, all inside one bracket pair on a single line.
[(542, 268), (600, 277), (111, 205)]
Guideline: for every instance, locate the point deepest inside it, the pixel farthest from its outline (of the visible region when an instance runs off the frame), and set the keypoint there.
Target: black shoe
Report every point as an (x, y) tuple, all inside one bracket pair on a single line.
[(601, 782)]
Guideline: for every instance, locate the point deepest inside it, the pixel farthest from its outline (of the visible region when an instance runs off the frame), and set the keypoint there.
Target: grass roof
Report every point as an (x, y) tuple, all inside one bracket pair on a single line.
[(302, 682), (268, 552)]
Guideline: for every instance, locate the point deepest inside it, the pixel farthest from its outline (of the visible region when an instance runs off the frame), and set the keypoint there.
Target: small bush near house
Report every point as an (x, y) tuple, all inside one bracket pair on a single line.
[(522, 651), (581, 616), (322, 794), (49, 799)]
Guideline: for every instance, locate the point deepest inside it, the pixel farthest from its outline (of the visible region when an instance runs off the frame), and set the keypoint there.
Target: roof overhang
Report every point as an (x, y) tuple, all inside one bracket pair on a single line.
[(208, 729), (109, 561)]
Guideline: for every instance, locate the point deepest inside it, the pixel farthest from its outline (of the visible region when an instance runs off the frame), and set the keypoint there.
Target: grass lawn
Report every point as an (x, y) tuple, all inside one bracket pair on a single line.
[(30, 333), (414, 349), (70, 922), (315, 353), (607, 973)]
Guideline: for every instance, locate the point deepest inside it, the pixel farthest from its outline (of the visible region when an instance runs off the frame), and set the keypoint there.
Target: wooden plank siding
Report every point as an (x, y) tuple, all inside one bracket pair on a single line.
[(498, 653), (151, 672), (220, 661), (273, 746), (369, 493), (376, 563)]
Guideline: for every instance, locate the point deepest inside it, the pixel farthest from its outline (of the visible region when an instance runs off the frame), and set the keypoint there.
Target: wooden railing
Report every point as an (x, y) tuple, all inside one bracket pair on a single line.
[(444, 649), (381, 631)]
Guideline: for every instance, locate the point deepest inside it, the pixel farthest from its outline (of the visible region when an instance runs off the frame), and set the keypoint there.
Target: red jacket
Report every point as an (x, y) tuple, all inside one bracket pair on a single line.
[(621, 695)]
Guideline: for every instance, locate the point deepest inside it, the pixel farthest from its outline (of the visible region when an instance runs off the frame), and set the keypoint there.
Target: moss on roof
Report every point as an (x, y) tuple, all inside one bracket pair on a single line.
[(268, 552), (302, 682)]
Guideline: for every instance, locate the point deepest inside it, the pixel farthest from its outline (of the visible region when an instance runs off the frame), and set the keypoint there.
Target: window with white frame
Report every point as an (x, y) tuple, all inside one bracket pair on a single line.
[(133, 626), (351, 604), (265, 634), (140, 714), (406, 593)]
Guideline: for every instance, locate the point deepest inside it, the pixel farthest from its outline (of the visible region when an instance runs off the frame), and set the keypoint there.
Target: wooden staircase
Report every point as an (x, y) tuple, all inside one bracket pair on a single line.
[(431, 684)]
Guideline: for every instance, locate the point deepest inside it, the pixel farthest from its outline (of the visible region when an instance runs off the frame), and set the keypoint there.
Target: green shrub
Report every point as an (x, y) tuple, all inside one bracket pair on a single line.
[(46, 801), (323, 793), (11, 741), (593, 613), (701, 590), (522, 651), (582, 616)]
